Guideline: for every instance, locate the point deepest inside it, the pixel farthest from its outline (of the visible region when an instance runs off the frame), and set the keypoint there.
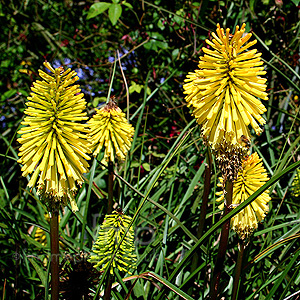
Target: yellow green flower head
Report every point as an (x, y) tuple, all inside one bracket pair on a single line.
[(54, 143), (296, 185), (224, 93), (113, 229), (252, 176), (110, 130)]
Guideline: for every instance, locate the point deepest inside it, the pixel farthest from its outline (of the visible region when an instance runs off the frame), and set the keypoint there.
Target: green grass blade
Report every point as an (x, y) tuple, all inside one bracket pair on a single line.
[(279, 281)]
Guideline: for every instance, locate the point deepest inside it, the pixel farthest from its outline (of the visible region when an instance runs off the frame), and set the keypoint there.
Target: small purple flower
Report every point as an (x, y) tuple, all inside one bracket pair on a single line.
[(124, 50), (56, 63), (91, 71), (67, 62), (81, 74), (3, 124)]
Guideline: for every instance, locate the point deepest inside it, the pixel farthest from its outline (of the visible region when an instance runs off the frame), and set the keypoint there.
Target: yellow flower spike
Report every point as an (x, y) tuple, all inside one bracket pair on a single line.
[(107, 246), (110, 130), (250, 178), (228, 80), (54, 143), (296, 185)]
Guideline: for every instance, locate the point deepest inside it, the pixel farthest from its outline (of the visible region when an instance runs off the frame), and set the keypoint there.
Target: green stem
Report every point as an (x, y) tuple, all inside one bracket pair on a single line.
[(54, 255), (110, 187), (223, 242), (238, 270)]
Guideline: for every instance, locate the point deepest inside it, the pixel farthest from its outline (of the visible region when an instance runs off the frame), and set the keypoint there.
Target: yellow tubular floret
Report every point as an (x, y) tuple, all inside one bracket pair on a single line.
[(250, 178), (228, 79), (110, 130), (54, 143)]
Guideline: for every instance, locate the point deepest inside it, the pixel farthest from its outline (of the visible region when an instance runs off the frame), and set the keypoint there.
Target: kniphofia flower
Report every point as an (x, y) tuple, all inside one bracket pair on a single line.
[(54, 143), (296, 185), (250, 178), (110, 130), (113, 229), (225, 91)]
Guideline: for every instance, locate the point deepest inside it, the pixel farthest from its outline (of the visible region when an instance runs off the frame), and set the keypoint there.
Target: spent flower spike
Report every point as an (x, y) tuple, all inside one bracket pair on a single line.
[(110, 129), (54, 144), (224, 93), (250, 178)]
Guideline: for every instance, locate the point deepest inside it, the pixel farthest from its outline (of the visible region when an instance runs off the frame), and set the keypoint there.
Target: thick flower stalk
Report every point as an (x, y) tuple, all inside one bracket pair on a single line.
[(40, 234), (54, 143), (110, 130), (225, 92), (250, 178), (296, 185), (113, 229)]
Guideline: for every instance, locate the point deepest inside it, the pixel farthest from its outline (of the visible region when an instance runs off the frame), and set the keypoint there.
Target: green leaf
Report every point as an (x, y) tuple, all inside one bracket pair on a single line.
[(5, 63), (134, 164), (168, 284), (4, 226), (39, 271), (100, 182), (278, 283), (252, 5), (296, 2), (98, 100), (8, 94), (194, 182), (146, 166), (23, 92), (156, 41), (135, 88), (32, 241), (114, 13), (127, 4), (3, 200), (97, 9), (155, 154)]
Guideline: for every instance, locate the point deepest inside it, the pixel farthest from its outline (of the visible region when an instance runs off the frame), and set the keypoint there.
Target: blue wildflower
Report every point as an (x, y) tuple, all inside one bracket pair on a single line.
[(67, 62), (81, 74), (56, 63), (111, 59)]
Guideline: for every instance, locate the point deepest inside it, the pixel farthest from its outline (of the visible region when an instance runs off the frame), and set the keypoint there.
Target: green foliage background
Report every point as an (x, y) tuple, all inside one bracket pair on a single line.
[(159, 42)]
